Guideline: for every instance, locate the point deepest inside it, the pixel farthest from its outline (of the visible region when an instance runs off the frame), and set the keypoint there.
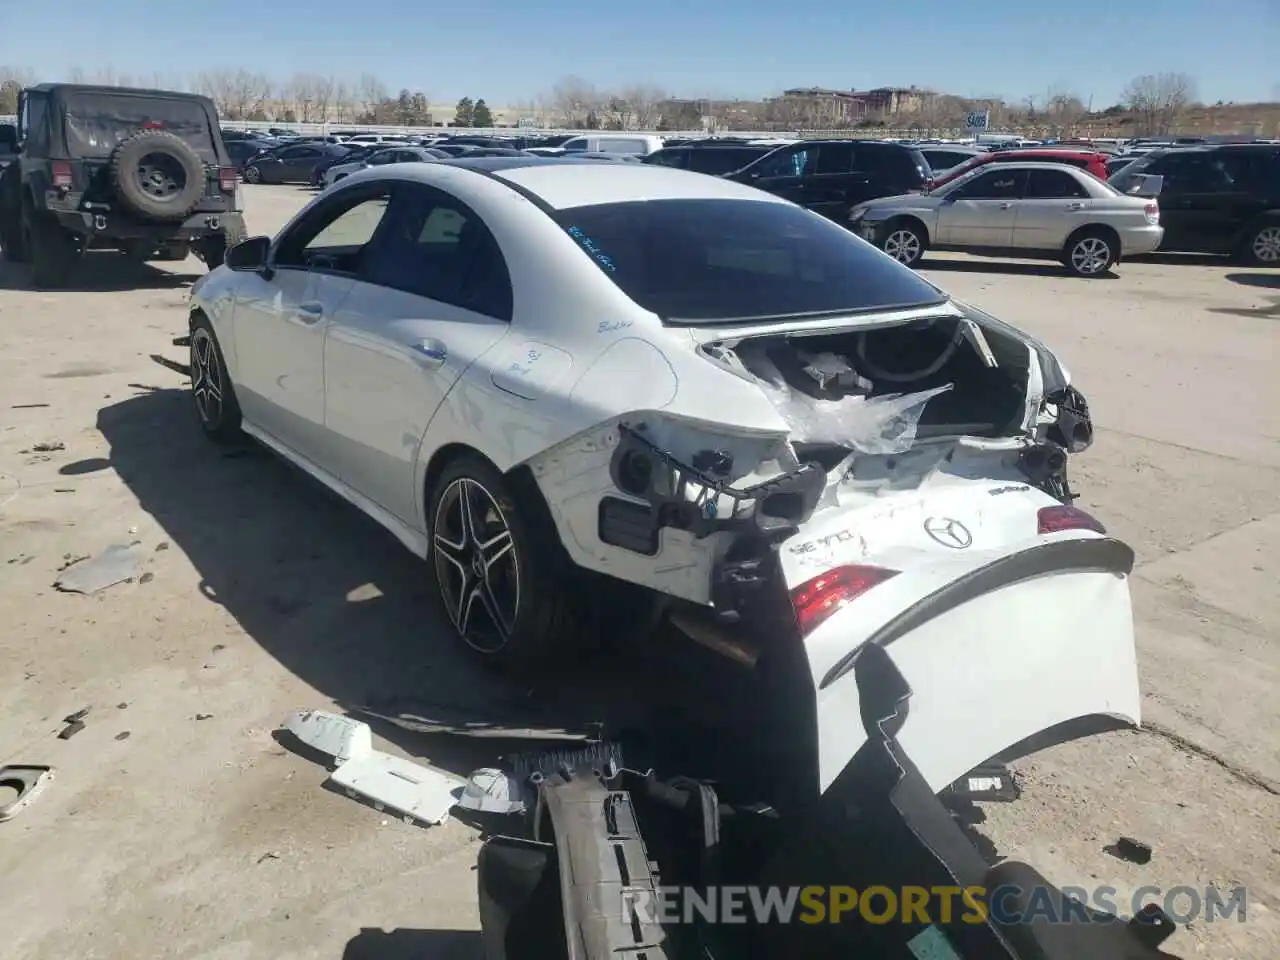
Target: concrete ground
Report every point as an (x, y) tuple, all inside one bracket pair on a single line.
[(177, 826)]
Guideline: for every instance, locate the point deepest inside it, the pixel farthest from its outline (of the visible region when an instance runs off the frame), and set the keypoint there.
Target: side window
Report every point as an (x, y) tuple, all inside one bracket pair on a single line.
[(835, 158), (994, 185), (577, 143), (671, 158), (787, 163), (335, 236), (1201, 173), (292, 153), (620, 145), (1054, 185), (34, 123), (437, 247)]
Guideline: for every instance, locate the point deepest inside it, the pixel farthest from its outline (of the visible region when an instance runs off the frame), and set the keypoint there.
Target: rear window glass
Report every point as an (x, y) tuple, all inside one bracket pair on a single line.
[(716, 261), (97, 122)]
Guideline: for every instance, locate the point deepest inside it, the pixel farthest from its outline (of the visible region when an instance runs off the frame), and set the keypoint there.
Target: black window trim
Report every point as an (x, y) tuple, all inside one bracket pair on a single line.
[(364, 191), (403, 191)]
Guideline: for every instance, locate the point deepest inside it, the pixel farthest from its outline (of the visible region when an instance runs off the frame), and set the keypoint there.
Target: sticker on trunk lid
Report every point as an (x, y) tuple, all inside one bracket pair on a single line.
[(932, 944)]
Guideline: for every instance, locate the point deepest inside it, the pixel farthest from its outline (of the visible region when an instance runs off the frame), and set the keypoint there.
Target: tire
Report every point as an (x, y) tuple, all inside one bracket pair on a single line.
[(212, 394), (519, 616), (1261, 244), (252, 174), (1090, 253), (157, 175), (53, 251), (213, 250), (904, 241)]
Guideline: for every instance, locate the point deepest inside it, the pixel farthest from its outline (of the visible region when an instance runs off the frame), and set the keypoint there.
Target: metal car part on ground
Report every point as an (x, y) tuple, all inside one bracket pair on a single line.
[(636, 415), (143, 172), (606, 849)]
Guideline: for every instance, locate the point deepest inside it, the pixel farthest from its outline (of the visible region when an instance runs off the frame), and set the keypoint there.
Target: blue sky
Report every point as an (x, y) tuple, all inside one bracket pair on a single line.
[(506, 51)]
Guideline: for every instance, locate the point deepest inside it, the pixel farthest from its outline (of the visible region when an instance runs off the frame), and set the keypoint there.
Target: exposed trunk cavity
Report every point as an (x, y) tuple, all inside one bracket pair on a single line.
[(879, 390)]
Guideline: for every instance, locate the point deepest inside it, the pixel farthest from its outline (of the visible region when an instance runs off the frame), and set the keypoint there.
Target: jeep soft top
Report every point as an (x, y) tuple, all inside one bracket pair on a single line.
[(144, 172)]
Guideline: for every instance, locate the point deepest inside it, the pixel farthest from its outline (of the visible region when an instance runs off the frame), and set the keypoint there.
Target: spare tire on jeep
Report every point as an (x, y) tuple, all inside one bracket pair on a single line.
[(158, 175)]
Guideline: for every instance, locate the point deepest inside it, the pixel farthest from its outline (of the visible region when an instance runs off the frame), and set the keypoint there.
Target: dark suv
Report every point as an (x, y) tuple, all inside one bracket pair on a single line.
[(1221, 199), (833, 176), (715, 160), (144, 172)]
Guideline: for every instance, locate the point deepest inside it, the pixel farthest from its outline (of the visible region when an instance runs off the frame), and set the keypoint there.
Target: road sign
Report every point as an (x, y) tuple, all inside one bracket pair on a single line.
[(978, 120)]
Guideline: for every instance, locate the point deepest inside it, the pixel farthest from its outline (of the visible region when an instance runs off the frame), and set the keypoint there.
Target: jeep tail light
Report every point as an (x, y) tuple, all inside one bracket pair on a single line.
[(61, 171), (819, 599), (1152, 210), (1059, 518), (227, 179)]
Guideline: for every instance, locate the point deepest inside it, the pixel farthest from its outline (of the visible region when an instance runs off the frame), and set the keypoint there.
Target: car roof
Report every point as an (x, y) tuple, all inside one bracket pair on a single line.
[(564, 182)]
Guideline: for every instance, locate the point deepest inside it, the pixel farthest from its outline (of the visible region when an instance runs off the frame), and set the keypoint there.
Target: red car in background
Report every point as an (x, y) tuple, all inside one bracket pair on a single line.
[(1091, 160)]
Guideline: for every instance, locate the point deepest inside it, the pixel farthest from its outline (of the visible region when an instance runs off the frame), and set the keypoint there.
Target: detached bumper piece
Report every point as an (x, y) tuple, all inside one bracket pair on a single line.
[(602, 845)]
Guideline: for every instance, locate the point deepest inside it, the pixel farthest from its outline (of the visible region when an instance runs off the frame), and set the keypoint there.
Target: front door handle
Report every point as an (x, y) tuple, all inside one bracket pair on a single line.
[(1005, 206), (431, 352), (1075, 206), (309, 313)]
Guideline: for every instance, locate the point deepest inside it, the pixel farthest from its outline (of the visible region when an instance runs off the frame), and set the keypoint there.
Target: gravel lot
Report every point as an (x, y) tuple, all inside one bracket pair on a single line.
[(178, 826)]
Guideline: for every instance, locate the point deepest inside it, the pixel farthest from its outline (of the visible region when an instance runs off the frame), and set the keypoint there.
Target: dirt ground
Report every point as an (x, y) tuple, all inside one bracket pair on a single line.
[(177, 826)]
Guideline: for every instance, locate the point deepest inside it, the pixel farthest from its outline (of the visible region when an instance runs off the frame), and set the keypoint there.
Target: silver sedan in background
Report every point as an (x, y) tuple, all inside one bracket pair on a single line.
[(1032, 210)]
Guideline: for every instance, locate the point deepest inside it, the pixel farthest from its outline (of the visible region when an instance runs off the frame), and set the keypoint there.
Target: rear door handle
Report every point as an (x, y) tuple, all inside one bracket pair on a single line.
[(309, 313), (431, 352), (1075, 206), (1005, 206)]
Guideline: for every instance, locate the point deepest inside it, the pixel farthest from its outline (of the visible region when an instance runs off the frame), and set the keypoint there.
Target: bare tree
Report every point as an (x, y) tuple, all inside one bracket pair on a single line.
[(1158, 99), (573, 101), (642, 101), (304, 96), (325, 88), (372, 93), (220, 87), (1064, 109), (247, 93), (342, 97)]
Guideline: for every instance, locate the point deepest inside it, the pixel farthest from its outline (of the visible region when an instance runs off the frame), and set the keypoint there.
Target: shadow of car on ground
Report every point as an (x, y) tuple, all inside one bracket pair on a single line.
[(101, 272), (407, 944), (1009, 268), (341, 604)]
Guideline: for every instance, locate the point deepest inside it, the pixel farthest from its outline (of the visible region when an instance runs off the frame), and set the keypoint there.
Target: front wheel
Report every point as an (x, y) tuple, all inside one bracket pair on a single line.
[(252, 174), (495, 569), (1261, 247), (904, 242), (1090, 254), (212, 392)]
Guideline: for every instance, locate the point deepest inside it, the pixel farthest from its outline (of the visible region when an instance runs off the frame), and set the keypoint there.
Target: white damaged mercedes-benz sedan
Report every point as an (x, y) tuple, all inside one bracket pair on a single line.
[(543, 375)]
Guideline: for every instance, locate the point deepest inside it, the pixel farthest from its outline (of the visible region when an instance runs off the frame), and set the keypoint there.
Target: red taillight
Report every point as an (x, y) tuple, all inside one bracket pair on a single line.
[(227, 179), (1152, 210), (61, 171), (818, 599), (153, 125), (1057, 519)]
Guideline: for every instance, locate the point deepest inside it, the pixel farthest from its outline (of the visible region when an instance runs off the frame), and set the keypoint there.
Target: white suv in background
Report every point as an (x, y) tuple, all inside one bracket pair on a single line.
[(638, 144)]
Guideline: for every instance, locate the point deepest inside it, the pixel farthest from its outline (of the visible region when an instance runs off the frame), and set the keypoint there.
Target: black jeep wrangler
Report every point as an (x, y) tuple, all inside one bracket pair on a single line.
[(144, 172)]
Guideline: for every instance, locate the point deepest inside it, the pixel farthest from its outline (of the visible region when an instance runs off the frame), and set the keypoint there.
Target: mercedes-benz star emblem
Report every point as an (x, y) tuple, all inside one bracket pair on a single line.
[(948, 532)]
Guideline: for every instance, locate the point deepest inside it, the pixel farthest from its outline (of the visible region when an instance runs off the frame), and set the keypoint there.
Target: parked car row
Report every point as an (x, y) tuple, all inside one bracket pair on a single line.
[(1076, 202)]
